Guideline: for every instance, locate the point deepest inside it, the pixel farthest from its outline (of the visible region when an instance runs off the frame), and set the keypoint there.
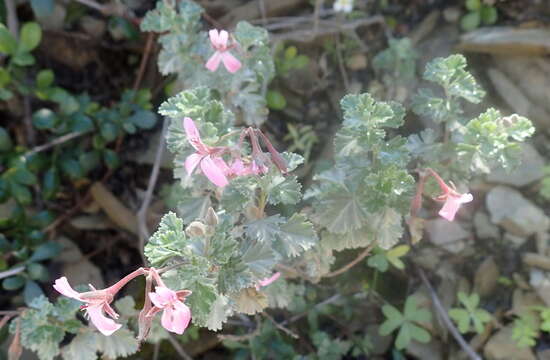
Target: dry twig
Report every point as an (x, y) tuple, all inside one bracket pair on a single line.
[(142, 213), (446, 320), (144, 59), (55, 142), (352, 263), (11, 272), (179, 349)]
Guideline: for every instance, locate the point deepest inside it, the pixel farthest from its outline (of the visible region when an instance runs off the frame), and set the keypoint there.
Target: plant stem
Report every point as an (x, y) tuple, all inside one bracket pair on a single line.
[(446, 320), (125, 280)]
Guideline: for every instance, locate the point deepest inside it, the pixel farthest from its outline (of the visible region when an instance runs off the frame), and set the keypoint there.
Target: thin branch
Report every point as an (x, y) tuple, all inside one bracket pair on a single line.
[(244, 337), (341, 65), (178, 348), (142, 213), (316, 14), (11, 14), (330, 300), (446, 320), (55, 142), (144, 59), (352, 263), (14, 271), (9, 312), (92, 4), (261, 5), (281, 326)]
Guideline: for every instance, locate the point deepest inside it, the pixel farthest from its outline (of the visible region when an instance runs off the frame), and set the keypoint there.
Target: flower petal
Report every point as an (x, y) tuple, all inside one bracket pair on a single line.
[(214, 37), (230, 62), (212, 172), (222, 39), (167, 318), (105, 325), (222, 165), (466, 198), (181, 317), (191, 162), (449, 209), (214, 61), (63, 287), (269, 280)]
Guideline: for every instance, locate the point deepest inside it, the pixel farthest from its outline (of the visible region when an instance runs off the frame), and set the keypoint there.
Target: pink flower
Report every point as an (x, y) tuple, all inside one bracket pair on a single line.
[(238, 168), (212, 165), (268, 280), (97, 302), (452, 198), (219, 42), (176, 315)]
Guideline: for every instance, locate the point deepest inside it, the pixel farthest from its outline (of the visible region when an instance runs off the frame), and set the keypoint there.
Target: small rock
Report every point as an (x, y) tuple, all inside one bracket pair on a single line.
[(91, 222), (542, 242), (93, 26), (501, 347), (536, 260), (524, 302), (540, 282), (530, 170), (429, 351), (451, 14), (515, 241), (515, 213), (543, 354), (447, 235), (484, 228), (357, 62), (486, 277)]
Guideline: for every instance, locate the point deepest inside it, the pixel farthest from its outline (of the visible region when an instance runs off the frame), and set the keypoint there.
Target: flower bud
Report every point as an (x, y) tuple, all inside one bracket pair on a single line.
[(211, 218), (196, 228)]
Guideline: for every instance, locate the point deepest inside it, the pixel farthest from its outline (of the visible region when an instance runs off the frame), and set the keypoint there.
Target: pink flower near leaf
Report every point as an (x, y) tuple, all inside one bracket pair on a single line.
[(238, 168), (97, 303), (219, 41), (211, 164), (452, 198), (176, 315), (268, 280)]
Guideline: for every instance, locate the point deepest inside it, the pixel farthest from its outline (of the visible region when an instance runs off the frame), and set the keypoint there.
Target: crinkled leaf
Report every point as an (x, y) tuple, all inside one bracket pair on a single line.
[(250, 301), (340, 213), (83, 346), (169, 240), (283, 189), (389, 229), (259, 258), (218, 314), (451, 74), (120, 344), (295, 236), (350, 240)]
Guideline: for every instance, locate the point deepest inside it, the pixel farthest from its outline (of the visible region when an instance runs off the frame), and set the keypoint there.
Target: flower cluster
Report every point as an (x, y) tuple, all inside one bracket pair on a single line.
[(216, 169), (175, 317)]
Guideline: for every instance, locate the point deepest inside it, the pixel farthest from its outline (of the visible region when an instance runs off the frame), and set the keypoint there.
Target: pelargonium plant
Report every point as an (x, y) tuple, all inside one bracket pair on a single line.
[(240, 232)]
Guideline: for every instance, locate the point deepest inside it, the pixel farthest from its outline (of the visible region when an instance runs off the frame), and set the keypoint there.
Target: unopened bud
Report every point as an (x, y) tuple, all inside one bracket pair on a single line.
[(211, 218), (276, 158), (196, 228)]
